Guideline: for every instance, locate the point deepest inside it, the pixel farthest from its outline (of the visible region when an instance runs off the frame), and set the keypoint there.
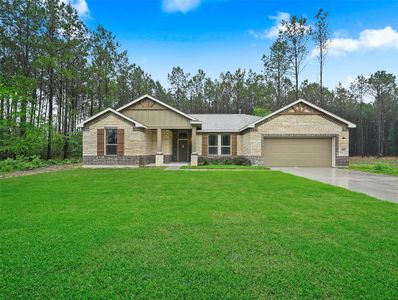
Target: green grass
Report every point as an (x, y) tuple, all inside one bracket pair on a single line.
[(155, 234), (382, 165), (222, 167)]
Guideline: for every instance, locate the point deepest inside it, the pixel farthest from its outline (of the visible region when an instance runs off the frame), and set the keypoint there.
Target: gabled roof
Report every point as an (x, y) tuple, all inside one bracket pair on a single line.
[(224, 122), (333, 116), (192, 119), (136, 124)]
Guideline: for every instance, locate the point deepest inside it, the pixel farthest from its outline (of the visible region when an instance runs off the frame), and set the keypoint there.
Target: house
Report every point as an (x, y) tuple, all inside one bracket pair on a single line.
[(148, 130)]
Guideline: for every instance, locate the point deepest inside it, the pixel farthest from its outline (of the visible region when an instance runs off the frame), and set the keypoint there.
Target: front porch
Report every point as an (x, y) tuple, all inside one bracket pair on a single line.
[(183, 147)]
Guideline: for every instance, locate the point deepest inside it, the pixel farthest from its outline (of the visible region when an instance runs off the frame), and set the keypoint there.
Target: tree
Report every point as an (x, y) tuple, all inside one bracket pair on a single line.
[(295, 33), (276, 66), (320, 35), (50, 44), (382, 86), (197, 91), (105, 58), (261, 111), (359, 89), (178, 86)]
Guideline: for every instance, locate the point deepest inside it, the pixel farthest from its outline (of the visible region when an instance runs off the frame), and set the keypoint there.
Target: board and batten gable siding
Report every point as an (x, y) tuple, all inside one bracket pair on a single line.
[(295, 124), (154, 115)]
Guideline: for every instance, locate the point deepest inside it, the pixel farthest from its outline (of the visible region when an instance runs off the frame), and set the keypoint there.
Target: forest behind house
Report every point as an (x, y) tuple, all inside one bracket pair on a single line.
[(55, 72)]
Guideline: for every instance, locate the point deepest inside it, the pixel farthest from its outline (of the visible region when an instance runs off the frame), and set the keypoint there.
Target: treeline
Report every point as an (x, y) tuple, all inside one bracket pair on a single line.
[(56, 72)]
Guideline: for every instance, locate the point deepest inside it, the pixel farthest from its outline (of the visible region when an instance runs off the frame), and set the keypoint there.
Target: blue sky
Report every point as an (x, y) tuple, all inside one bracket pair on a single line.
[(221, 35)]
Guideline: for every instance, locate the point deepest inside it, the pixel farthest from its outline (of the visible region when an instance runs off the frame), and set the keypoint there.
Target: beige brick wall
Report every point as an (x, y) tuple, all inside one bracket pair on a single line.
[(137, 142), (246, 146), (199, 144), (239, 145), (294, 124)]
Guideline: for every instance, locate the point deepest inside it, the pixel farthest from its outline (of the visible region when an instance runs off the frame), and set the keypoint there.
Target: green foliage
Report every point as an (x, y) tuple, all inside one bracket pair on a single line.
[(28, 163), (31, 144), (387, 165), (227, 167), (226, 160), (92, 234), (261, 111), (382, 167)]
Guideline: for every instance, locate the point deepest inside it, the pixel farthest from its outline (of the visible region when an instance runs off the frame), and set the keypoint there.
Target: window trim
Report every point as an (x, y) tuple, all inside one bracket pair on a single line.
[(223, 146), (219, 145), (212, 146), (106, 141)]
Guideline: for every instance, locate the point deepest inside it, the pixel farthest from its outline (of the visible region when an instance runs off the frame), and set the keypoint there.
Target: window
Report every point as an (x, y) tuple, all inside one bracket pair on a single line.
[(213, 144), (225, 145), (182, 135), (111, 142)]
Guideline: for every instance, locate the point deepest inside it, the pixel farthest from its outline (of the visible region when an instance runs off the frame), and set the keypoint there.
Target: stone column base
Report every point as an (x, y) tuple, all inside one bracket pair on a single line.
[(159, 160), (194, 159)]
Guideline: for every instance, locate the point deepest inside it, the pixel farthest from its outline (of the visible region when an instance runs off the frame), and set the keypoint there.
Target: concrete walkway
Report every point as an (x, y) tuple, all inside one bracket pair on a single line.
[(377, 185), (175, 166)]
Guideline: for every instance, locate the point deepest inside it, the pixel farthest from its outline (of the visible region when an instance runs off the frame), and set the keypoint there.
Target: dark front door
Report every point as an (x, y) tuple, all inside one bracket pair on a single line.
[(182, 150)]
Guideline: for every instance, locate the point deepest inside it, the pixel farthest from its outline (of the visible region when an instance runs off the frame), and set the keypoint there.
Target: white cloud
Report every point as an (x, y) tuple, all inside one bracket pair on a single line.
[(272, 32), (182, 6), (81, 7), (386, 38)]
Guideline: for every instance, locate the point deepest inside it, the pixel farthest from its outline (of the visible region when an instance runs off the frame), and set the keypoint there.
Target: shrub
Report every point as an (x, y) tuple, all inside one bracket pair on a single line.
[(228, 162), (382, 167), (242, 161)]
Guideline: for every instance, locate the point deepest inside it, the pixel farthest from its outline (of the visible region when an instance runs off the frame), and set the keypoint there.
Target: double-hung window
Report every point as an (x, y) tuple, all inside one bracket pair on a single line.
[(225, 145), (213, 144), (111, 142), (219, 144)]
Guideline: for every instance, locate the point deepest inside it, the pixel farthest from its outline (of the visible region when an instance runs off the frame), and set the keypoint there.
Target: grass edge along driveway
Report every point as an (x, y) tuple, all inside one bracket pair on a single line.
[(145, 233)]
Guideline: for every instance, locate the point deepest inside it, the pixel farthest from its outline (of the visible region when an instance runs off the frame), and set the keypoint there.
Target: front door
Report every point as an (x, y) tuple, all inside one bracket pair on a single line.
[(182, 150)]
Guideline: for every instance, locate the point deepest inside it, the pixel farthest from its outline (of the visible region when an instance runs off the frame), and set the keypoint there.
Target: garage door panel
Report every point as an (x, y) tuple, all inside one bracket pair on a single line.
[(306, 152)]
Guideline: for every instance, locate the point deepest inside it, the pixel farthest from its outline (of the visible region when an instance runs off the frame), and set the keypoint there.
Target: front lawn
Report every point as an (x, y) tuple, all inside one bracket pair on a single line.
[(372, 164), (155, 234)]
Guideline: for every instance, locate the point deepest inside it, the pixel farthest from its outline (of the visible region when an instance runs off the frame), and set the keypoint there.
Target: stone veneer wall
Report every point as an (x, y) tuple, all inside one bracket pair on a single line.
[(139, 160)]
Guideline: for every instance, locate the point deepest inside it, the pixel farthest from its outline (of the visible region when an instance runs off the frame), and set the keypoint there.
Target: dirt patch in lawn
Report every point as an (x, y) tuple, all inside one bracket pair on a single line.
[(40, 170)]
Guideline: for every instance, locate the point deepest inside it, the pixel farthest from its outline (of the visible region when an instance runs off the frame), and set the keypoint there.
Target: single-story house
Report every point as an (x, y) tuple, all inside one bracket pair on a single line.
[(147, 131)]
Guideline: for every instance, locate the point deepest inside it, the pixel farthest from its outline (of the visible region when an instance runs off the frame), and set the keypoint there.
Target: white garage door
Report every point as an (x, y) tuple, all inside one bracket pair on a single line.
[(298, 152)]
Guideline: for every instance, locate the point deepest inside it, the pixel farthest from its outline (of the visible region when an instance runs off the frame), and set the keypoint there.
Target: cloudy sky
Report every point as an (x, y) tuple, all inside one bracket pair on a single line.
[(221, 35)]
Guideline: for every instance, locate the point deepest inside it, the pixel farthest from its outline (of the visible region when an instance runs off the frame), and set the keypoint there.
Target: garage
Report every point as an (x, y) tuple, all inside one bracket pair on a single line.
[(298, 152)]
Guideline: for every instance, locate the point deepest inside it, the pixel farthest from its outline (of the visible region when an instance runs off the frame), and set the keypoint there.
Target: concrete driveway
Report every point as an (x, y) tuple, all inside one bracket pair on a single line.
[(380, 186)]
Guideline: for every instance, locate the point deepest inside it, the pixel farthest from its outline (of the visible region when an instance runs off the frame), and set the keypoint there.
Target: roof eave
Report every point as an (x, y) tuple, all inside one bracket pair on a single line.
[(136, 124), (253, 125), (158, 101)]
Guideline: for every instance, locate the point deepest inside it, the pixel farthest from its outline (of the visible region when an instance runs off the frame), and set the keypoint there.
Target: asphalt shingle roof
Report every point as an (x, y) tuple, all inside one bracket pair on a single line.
[(224, 122)]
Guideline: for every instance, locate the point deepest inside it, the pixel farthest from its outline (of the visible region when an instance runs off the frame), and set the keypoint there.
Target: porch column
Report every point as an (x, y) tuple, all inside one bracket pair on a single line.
[(194, 154), (159, 141), (159, 160), (194, 140)]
